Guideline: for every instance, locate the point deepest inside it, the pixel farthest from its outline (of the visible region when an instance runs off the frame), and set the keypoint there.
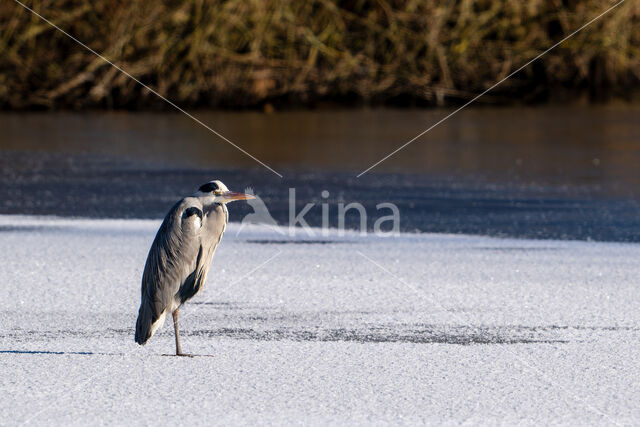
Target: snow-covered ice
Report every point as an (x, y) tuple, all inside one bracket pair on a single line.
[(418, 328)]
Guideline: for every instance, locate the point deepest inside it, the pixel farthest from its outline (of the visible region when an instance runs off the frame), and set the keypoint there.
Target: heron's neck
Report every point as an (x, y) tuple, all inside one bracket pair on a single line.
[(226, 213)]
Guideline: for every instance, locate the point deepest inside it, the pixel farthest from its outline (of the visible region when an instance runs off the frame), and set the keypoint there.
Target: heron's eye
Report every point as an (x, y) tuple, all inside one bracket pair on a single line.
[(217, 193)]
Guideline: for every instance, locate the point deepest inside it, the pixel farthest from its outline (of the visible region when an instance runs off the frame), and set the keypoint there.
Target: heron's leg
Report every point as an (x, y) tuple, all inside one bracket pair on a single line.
[(175, 329)]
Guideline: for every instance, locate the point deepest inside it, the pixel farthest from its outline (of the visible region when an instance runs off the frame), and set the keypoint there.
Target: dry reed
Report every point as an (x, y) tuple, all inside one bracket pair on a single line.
[(245, 53)]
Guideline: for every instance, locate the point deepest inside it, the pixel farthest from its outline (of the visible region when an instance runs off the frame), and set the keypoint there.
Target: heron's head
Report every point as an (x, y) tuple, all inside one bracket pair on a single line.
[(220, 193)]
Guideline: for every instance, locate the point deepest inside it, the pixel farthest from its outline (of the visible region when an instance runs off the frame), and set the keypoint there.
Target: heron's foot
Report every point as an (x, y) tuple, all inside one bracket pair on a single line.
[(185, 354)]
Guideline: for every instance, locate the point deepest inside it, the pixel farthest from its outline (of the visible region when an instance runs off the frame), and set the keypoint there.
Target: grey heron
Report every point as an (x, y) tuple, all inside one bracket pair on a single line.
[(180, 256)]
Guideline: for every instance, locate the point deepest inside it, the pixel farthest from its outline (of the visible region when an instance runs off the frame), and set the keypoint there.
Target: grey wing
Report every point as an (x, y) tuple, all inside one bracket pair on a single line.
[(172, 261)]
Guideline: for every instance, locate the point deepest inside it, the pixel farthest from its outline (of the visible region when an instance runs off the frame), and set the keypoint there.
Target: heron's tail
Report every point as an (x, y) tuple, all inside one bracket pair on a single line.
[(144, 324)]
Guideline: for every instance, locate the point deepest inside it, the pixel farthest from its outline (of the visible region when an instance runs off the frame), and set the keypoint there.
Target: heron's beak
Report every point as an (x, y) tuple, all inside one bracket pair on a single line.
[(230, 196)]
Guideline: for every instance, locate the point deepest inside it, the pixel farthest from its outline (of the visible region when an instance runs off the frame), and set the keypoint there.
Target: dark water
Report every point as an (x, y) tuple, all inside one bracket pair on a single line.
[(573, 146), (552, 172)]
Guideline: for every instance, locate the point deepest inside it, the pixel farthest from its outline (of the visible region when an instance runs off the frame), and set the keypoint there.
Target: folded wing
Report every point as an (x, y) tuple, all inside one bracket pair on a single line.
[(172, 267)]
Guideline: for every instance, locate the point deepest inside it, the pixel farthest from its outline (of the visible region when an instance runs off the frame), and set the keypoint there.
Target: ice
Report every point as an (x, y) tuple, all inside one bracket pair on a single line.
[(416, 328)]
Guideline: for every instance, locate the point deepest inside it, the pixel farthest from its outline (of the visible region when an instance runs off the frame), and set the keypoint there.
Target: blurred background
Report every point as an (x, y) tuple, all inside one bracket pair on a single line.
[(320, 91)]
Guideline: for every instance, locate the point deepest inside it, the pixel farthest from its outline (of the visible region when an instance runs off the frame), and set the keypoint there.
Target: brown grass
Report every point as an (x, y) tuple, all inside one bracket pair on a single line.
[(245, 53)]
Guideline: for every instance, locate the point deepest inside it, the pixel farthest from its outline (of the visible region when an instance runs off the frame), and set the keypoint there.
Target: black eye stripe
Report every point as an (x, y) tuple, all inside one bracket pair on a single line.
[(209, 187)]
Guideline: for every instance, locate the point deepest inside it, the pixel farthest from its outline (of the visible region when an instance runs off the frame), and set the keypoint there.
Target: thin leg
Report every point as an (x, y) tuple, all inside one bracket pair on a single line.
[(175, 329)]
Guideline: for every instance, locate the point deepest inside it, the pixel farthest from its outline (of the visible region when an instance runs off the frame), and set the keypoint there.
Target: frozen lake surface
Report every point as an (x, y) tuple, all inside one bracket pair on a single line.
[(417, 328)]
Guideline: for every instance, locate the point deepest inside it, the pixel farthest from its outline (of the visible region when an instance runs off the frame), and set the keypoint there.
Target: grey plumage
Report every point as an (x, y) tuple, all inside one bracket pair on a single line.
[(181, 255)]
